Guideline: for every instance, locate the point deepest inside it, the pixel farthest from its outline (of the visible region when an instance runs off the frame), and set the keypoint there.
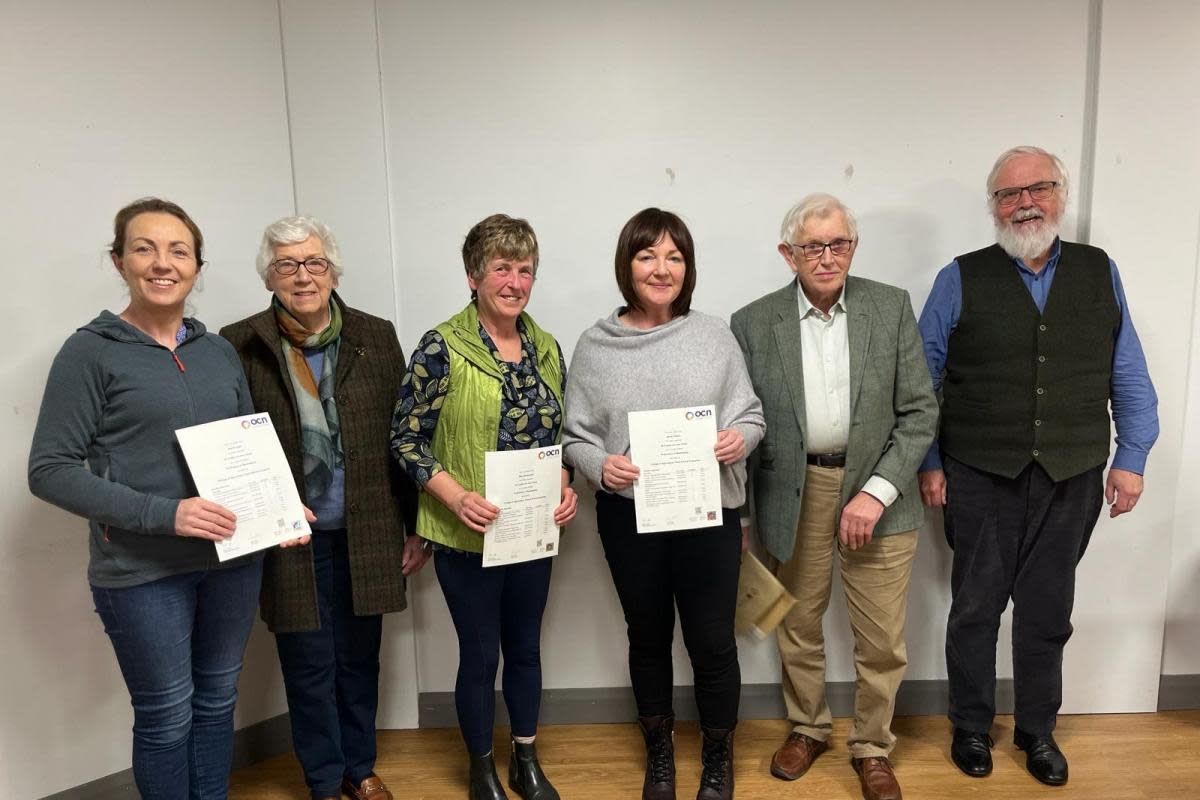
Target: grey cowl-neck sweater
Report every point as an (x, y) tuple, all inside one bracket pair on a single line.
[(692, 360)]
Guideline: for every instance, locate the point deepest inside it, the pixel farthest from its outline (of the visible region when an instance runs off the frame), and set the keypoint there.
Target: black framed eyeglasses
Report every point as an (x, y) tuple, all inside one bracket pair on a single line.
[(289, 266), (1038, 191), (814, 250)]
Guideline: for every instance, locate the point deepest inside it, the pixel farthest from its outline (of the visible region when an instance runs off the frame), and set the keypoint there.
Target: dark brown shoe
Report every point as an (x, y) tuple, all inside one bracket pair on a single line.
[(797, 754), (659, 733), (371, 788), (878, 780), (716, 757)]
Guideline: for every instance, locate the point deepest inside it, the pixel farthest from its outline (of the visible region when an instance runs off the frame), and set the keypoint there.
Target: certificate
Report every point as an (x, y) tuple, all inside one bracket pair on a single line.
[(240, 464), (525, 485), (762, 601), (679, 485)]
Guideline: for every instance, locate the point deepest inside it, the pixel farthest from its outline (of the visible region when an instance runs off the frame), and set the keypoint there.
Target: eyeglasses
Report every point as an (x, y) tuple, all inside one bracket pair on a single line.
[(289, 266), (1038, 191), (814, 250)]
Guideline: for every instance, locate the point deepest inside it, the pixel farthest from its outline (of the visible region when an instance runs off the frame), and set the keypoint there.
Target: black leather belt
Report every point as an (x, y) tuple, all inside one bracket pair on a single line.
[(826, 459)]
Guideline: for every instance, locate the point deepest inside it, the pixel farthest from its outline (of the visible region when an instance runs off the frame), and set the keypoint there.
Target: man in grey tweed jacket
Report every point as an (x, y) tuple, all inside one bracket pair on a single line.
[(850, 413)]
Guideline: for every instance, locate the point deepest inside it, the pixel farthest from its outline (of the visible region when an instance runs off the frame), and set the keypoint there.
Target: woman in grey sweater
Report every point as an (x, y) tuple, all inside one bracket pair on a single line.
[(104, 448), (655, 353)]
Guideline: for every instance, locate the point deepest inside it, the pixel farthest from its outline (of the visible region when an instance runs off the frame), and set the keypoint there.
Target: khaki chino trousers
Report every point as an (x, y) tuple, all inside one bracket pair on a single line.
[(875, 578)]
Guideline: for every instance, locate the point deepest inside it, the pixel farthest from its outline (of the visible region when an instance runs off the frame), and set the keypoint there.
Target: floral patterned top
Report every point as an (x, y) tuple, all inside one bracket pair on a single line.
[(530, 415)]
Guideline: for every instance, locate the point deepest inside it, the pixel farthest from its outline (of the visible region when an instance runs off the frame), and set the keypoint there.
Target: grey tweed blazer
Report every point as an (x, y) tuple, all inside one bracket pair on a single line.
[(893, 410)]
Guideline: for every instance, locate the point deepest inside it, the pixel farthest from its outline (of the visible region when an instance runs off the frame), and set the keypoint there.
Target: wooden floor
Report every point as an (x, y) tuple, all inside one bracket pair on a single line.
[(1112, 757)]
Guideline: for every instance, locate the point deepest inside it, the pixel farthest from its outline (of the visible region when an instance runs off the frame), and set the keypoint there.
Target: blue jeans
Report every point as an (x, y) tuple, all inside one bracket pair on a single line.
[(332, 677), (179, 642), (495, 608)]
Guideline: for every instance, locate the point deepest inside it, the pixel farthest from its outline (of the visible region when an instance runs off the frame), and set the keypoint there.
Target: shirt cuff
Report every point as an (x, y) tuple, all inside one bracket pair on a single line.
[(881, 489), (1129, 460)]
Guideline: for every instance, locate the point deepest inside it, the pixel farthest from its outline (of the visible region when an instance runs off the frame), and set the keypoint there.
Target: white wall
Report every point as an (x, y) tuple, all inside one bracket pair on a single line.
[(1147, 199), (101, 104), (1145, 212), (574, 116)]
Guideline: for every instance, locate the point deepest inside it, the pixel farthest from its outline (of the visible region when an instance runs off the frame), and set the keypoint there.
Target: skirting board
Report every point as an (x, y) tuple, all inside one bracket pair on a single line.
[(272, 737), (252, 744), (1178, 692), (759, 701)]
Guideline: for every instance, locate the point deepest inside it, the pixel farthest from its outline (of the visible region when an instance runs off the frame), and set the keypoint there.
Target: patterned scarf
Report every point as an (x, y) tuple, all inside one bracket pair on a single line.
[(320, 433)]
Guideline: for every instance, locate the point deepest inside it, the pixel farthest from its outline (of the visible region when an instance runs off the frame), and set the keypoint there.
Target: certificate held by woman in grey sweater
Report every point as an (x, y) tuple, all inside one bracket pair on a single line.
[(679, 483)]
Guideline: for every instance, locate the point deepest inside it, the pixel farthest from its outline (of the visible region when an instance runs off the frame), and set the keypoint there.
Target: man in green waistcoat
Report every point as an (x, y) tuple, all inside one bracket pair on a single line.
[(1030, 340)]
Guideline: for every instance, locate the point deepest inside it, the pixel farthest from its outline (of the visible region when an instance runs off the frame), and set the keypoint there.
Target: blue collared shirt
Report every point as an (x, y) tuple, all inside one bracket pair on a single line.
[(1134, 401)]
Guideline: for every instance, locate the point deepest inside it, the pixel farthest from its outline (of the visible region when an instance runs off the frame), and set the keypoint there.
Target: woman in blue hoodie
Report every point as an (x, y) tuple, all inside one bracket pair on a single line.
[(104, 449)]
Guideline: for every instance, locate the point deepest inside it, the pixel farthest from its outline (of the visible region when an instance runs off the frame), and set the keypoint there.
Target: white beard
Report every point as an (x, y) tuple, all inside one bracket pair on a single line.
[(1024, 243)]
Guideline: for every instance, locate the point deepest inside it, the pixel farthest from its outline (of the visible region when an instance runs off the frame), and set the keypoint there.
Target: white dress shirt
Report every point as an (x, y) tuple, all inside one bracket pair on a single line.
[(825, 347)]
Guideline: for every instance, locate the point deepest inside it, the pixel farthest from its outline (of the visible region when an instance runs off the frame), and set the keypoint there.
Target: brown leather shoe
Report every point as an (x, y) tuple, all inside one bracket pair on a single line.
[(797, 754), (878, 780), (371, 788)]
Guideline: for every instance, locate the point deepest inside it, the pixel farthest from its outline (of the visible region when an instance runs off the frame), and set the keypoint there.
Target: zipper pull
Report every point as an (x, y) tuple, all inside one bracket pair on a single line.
[(178, 363)]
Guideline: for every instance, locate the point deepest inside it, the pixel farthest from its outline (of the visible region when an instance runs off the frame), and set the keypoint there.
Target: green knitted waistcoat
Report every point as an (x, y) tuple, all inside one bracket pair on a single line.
[(470, 419)]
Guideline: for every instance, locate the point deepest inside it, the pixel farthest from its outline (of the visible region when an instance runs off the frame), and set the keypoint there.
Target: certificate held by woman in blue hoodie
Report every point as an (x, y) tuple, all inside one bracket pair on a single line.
[(239, 463)]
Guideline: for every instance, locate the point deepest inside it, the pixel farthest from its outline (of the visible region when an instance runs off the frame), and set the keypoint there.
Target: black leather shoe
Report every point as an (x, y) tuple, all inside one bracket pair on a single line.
[(484, 782), (972, 753), (1043, 759), (525, 776)]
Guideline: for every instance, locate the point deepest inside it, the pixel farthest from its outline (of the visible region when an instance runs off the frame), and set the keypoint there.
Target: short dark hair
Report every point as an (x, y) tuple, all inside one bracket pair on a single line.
[(646, 229), (154, 205)]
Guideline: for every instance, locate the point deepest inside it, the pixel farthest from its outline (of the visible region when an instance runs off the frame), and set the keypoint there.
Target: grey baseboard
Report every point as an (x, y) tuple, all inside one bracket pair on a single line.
[(272, 737), (1178, 692), (251, 744), (759, 701)]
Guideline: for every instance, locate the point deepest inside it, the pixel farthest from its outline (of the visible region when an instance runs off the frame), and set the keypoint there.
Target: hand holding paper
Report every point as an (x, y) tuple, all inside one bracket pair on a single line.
[(204, 519)]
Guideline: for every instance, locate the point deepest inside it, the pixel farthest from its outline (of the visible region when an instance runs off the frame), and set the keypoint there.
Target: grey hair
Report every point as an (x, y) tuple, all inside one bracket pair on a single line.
[(294, 230), (819, 205), (1025, 150)]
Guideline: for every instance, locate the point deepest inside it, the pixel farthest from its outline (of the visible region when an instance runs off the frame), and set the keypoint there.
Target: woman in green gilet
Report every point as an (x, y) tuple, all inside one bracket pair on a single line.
[(486, 379)]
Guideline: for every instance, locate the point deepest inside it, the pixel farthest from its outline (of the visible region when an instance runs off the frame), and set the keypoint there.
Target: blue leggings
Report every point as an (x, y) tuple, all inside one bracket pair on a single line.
[(494, 609)]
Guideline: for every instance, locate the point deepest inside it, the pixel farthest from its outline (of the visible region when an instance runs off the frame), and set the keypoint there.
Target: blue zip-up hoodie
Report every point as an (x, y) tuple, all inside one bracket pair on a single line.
[(115, 398)]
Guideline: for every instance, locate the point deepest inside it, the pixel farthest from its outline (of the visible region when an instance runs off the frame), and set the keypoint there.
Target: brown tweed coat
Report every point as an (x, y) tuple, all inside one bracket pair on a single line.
[(380, 499)]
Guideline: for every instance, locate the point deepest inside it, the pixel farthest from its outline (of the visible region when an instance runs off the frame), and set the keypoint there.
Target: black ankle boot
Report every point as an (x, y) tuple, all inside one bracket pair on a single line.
[(484, 782), (525, 776), (659, 733), (716, 756)]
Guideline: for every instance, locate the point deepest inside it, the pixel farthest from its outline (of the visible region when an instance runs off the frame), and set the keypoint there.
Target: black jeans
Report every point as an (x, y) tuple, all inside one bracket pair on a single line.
[(1018, 538), (695, 570), (332, 677), (494, 609)]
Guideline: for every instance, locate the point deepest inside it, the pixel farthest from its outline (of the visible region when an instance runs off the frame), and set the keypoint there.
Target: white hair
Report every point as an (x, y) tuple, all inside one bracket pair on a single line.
[(294, 230), (819, 205), (1025, 150)]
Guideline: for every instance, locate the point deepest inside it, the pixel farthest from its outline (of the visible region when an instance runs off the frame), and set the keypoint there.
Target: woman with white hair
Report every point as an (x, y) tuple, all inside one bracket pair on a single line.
[(328, 376)]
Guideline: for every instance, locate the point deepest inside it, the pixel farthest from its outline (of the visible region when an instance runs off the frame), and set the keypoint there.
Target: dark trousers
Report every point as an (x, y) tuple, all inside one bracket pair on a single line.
[(495, 609), (332, 677), (179, 642), (695, 570), (1018, 538)]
